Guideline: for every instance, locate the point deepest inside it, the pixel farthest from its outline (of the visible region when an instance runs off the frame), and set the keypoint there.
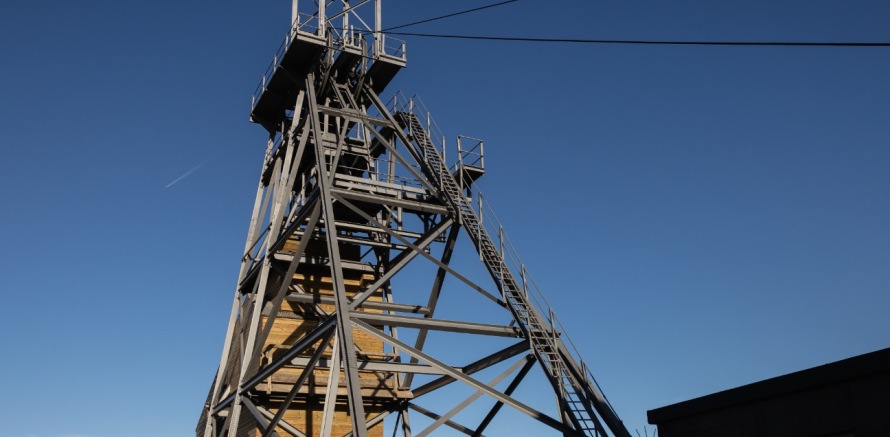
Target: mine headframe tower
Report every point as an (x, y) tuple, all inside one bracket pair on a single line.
[(324, 336)]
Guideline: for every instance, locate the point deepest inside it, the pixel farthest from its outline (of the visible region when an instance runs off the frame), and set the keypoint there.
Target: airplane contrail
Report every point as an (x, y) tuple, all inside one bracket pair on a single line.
[(186, 174)]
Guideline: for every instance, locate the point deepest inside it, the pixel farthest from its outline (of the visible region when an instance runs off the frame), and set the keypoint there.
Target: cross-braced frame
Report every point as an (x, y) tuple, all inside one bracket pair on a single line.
[(332, 329)]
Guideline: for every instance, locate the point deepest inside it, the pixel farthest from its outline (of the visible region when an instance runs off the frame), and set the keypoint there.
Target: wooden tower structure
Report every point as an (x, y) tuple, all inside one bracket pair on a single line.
[(330, 331)]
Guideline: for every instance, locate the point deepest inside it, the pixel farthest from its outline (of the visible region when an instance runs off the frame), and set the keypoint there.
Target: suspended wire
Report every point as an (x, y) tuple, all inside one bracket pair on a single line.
[(644, 42), (450, 15)]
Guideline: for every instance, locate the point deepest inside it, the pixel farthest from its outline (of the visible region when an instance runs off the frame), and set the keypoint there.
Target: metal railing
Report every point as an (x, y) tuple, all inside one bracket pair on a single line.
[(305, 24), (391, 47), (341, 38), (492, 224), (400, 103), (470, 152), (472, 155)]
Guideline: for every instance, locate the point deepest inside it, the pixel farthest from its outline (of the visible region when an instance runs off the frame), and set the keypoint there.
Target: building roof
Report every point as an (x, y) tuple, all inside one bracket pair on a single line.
[(831, 373)]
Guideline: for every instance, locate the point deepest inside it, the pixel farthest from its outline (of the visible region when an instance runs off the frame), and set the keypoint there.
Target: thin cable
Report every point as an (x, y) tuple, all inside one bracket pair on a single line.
[(450, 15), (645, 42)]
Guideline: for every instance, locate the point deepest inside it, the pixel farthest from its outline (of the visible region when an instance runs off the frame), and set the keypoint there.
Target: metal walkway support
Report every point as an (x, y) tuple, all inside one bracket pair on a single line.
[(577, 394), (330, 332)]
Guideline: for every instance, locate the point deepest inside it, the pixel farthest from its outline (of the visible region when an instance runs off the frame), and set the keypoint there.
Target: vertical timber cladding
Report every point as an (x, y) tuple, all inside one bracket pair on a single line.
[(296, 319)]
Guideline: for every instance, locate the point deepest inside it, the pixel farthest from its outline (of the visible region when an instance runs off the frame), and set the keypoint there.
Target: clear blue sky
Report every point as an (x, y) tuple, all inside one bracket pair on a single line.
[(700, 217)]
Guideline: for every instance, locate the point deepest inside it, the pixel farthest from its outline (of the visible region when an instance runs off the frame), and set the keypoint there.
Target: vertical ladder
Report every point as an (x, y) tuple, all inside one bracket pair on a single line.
[(577, 394)]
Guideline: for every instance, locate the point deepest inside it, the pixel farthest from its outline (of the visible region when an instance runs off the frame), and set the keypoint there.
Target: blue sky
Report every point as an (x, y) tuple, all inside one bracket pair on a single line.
[(699, 217)]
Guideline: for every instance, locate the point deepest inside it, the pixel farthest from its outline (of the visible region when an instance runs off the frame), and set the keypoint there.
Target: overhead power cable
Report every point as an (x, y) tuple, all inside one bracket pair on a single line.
[(644, 42), (454, 14)]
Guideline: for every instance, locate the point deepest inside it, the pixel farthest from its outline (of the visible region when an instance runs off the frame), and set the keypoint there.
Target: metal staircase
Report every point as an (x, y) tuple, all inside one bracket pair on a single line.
[(341, 211), (579, 398)]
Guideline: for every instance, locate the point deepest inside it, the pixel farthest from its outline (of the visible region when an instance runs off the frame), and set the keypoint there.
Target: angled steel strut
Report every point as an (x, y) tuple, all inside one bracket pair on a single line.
[(337, 326)]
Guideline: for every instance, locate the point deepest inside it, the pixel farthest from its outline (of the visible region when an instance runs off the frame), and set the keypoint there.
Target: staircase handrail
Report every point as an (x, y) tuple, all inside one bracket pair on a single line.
[(539, 311), (495, 228), (489, 220)]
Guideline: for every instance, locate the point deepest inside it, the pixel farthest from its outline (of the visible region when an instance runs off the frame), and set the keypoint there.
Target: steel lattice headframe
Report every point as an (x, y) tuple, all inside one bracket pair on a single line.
[(342, 319)]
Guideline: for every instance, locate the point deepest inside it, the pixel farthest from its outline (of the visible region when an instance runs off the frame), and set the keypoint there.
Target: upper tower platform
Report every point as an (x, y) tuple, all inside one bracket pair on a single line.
[(326, 39)]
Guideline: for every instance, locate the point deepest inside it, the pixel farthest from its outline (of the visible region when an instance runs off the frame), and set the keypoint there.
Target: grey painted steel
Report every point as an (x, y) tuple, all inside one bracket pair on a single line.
[(335, 149), (576, 395), (282, 289), (251, 330), (397, 307), (344, 330), (285, 358), (327, 417), (398, 263), (530, 362), (438, 325), (469, 369), (308, 367), (476, 366), (283, 424), (450, 242), (230, 330), (469, 400), (432, 415), (463, 377), (377, 366), (256, 414), (441, 265)]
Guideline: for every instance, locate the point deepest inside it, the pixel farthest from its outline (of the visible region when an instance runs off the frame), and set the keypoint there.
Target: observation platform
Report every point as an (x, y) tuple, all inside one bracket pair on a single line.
[(303, 50)]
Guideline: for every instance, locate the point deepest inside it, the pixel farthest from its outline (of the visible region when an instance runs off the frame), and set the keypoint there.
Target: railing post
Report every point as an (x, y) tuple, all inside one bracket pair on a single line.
[(481, 222), (346, 32), (322, 19), (482, 154), (524, 283), (552, 326), (584, 374), (378, 36), (501, 244), (459, 151)]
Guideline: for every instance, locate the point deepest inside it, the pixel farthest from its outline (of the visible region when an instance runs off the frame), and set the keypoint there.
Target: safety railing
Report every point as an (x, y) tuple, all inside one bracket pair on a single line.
[(390, 47), (348, 38), (489, 223), (339, 39), (470, 152), (404, 182), (492, 224), (303, 24), (400, 103)]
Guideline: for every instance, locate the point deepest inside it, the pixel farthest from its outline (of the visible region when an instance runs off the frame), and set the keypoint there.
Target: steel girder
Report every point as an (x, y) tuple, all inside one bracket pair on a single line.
[(352, 194)]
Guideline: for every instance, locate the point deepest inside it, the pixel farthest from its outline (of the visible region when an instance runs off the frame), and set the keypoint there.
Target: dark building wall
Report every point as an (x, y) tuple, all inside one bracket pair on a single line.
[(846, 398)]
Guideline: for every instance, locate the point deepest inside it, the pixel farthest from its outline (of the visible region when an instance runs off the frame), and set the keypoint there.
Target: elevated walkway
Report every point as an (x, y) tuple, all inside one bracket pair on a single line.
[(304, 48), (298, 54)]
